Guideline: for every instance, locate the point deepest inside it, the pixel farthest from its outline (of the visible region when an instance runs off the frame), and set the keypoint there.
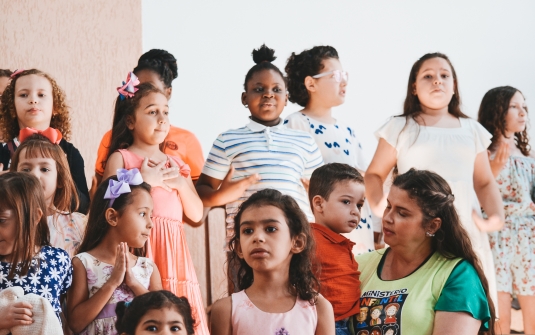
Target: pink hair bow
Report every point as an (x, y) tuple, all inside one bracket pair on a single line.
[(125, 178), (52, 134), (128, 89), (16, 73)]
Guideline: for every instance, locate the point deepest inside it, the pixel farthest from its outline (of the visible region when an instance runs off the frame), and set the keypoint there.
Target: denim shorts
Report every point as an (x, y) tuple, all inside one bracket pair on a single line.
[(341, 327)]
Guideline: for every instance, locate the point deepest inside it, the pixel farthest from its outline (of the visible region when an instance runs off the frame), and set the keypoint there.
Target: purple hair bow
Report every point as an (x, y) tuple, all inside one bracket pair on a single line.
[(128, 89), (125, 178)]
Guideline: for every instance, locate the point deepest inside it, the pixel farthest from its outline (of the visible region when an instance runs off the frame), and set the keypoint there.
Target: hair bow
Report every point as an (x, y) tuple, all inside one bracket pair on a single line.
[(52, 134), (16, 73), (128, 89), (125, 178)]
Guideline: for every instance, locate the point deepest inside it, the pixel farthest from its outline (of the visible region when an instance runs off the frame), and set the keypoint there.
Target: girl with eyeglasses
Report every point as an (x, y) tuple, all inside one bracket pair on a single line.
[(317, 82)]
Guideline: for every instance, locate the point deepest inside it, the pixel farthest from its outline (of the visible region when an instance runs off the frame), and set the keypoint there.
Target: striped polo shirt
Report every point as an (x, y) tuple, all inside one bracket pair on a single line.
[(280, 155)]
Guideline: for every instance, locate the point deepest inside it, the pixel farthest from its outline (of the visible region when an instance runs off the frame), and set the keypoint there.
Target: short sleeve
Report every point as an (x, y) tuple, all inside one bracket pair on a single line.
[(194, 156), (297, 121), (102, 153), (391, 129), (482, 136), (217, 164), (183, 168), (313, 159), (463, 292), (67, 277)]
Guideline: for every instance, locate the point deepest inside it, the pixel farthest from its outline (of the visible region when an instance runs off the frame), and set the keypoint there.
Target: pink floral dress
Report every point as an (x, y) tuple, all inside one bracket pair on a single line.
[(513, 247), (98, 274), (67, 231)]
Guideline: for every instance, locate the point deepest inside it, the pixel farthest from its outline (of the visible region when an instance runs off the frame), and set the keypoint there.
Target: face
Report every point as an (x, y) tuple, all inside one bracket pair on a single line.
[(34, 103), (326, 89), (266, 97), (45, 169), (517, 114), (4, 81), (8, 228), (434, 84), (265, 242), (151, 123), (391, 311), (341, 212), (402, 220), (148, 76), (376, 313), (135, 222), (362, 314), (161, 321)]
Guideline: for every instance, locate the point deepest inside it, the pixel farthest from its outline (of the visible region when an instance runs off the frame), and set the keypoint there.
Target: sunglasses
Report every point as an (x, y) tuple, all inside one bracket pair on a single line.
[(337, 74)]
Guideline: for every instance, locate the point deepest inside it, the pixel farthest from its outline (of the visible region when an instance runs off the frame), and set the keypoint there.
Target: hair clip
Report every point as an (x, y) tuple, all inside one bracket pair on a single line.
[(52, 134), (127, 304), (125, 178), (16, 73), (128, 89)]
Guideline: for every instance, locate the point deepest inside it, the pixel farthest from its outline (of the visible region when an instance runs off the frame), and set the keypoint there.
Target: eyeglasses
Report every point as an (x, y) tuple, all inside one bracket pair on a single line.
[(337, 74)]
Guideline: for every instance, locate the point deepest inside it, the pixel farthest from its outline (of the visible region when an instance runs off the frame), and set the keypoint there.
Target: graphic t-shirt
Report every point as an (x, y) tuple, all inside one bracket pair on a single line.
[(408, 305)]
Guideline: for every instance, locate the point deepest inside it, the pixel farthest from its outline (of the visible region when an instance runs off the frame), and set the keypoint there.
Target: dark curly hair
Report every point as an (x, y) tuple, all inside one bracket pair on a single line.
[(263, 58), (61, 119), (435, 199), (129, 314), (303, 282), (492, 113), (412, 107), (5, 73), (121, 136), (160, 62), (307, 63)]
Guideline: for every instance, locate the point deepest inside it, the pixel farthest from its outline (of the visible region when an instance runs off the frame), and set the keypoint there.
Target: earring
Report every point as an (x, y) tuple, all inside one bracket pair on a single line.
[(246, 106), (428, 234)]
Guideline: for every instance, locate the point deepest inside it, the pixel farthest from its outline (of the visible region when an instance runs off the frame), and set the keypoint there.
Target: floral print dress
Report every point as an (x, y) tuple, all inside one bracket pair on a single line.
[(98, 274), (513, 247)]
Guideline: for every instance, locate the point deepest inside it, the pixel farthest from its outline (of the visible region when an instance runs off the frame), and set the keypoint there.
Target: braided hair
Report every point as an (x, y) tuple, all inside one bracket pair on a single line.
[(160, 62)]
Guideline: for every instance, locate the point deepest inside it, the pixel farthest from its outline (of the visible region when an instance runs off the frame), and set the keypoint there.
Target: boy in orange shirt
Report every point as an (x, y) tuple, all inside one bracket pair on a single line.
[(336, 195)]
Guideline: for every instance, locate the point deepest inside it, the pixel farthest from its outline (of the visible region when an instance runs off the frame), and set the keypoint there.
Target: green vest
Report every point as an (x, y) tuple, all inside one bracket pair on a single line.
[(404, 306)]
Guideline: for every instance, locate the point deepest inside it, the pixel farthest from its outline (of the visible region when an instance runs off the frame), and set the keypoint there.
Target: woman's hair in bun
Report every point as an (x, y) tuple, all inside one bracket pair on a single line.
[(263, 57), (161, 62)]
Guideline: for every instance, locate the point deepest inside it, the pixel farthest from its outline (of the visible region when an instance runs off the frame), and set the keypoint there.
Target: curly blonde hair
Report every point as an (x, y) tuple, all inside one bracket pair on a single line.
[(9, 125)]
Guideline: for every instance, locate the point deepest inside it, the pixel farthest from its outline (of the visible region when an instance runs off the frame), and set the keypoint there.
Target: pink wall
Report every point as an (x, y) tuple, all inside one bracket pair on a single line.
[(87, 46)]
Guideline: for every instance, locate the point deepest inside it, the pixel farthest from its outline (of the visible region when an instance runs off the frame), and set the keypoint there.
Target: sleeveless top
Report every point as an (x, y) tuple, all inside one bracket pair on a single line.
[(248, 319), (406, 305)]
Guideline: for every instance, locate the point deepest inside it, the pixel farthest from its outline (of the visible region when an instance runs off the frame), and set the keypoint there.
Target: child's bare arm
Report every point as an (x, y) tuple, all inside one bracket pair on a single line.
[(325, 317), (215, 192), (220, 323), (114, 162)]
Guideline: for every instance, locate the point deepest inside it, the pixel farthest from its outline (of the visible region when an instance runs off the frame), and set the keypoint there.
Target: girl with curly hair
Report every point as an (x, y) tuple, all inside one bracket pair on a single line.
[(273, 247), (34, 100), (504, 114), (318, 83)]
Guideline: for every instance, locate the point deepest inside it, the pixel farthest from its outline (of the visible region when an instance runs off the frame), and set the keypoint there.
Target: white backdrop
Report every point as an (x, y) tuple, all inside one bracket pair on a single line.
[(491, 43)]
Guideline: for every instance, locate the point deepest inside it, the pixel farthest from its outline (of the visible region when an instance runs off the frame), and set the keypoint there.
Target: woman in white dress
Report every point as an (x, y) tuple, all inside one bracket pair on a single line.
[(433, 134)]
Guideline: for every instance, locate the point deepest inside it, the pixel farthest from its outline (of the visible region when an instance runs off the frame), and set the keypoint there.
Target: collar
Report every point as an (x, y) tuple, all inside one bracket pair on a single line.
[(257, 127), (331, 235)]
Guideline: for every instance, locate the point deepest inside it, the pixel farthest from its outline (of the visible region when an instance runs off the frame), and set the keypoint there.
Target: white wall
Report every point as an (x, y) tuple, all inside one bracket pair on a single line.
[(491, 43)]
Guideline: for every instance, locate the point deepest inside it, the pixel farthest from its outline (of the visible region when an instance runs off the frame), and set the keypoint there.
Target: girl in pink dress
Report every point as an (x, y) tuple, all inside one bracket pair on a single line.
[(135, 143)]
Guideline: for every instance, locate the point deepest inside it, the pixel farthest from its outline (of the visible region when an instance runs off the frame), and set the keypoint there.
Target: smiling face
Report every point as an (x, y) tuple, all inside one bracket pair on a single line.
[(517, 114), (164, 321), (135, 222), (151, 123), (265, 242), (265, 97), (341, 212), (45, 170), (8, 232), (327, 90), (434, 84), (34, 103)]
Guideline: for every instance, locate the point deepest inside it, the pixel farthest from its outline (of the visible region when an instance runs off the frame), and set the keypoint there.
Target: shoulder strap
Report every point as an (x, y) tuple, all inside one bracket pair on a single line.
[(12, 148)]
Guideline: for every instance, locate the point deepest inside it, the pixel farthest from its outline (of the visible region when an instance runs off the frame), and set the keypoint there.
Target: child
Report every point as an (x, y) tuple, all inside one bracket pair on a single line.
[(136, 139), (504, 114), (34, 100), (434, 134), (46, 161), (159, 68), (273, 246), (40, 268), (336, 196), (160, 311), (317, 82), (105, 272), (264, 153)]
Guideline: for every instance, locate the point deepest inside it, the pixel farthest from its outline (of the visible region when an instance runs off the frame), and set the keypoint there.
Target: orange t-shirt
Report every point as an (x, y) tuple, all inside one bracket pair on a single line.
[(179, 142), (339, 276)]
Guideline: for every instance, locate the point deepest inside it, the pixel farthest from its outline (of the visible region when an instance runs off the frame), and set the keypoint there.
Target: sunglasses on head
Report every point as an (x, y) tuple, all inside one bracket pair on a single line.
[(337, 74)]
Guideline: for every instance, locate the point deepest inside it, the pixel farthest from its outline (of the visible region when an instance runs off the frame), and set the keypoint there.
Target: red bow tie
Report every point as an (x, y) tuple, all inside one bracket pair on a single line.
[(52, 134)]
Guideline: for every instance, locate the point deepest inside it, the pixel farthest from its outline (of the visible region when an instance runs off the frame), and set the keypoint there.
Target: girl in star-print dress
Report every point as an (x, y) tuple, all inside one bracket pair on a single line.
[(40, 268), (317, 82)]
